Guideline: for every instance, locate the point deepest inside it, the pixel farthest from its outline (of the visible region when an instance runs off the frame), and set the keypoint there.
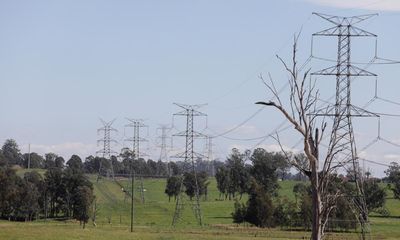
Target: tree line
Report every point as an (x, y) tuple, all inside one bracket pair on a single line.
[(257, 175), (64, 190), (61, 192), (120, 164)]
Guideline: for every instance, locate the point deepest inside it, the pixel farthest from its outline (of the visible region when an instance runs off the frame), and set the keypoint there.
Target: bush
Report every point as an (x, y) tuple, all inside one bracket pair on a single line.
[(285, 213), (306, 211), (258, 209), (239, 214)]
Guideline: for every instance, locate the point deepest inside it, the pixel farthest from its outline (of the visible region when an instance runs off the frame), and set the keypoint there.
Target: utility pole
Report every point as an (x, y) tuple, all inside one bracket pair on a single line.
[(163, 145), (189, 111), (137, 124), (132, 191), (106, 141), (343, 111)]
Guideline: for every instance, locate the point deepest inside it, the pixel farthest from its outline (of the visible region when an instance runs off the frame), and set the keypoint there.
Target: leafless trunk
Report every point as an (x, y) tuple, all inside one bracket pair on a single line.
[(302, 101), (316, 205)]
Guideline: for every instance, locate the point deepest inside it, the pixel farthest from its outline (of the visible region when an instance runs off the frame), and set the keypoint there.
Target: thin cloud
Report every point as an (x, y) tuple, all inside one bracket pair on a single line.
[(374, 5), (65, 150), (392, 157), (268, 147), (244, 130)]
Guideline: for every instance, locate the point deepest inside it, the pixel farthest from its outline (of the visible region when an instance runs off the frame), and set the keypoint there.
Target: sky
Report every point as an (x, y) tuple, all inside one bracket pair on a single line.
[(65, 64)]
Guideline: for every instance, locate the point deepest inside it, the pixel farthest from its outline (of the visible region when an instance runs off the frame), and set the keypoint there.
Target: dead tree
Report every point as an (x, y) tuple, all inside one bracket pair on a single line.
[(303, 98)]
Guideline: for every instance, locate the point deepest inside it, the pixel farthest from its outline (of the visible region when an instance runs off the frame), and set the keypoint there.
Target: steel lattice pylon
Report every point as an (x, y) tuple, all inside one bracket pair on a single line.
[(106, 141), (189, 162), (163, 146), (342, 136), (209, 155), (137, 124)]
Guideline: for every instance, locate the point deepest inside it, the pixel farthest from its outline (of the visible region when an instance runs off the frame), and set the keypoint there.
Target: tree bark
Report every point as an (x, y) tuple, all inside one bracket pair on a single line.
[(316, 204)]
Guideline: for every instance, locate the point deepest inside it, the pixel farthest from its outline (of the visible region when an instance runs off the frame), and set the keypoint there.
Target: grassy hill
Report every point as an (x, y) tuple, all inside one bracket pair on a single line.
[(157, 210), (153, 218)]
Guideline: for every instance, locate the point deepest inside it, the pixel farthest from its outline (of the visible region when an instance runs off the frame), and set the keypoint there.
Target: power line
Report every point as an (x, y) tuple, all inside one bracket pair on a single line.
[(259, 110), (362, 63), (239, 125), (283, 46), (389, 142), (388, 101), (374, 162)]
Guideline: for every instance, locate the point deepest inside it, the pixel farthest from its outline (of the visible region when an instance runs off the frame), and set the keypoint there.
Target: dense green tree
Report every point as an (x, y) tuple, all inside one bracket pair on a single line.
[(140, 166), (393, 176), (173, 186), (36, 161), (306, 211), (11, 152), (395, 186), (282, 165), (117, 166), (174, 168), (3, 161), (75, 164), (202, 178), (285, 212), (8, 191), (223, 180), (239, 213), (59, 162), (19, 198), (151, 167), (55, 189), (189, 181), (392, 171), (238, 173), (34, 178), (264, 169), (27, 204), (375, 195), (299, 189), (92, 164), (83, 200), (37, 180), (60, 191), (342, 216), (127, 156), (162, 168), (50, 160), (260, 208), (71, 180)]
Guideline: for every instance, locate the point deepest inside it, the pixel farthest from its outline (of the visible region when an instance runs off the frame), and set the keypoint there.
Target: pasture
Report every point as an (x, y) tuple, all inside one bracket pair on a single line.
[(152, 220)]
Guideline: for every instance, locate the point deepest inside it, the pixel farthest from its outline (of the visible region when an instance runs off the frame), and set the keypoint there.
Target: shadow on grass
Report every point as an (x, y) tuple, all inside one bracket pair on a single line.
[(380, 216), (222, 217)]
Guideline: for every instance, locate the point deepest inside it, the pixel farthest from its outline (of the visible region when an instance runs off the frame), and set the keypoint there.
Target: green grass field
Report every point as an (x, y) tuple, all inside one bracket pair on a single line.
[(153, 219)]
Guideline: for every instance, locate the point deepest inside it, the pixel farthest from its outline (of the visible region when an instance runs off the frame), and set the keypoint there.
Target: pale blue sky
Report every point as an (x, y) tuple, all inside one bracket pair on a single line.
[(64, 64)]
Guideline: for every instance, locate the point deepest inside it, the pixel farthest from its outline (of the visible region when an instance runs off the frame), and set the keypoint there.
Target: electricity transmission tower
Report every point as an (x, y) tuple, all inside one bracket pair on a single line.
[(189, 111), (106, 151), (137, 124), (163, 145), (342, 136), (209, 155)]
